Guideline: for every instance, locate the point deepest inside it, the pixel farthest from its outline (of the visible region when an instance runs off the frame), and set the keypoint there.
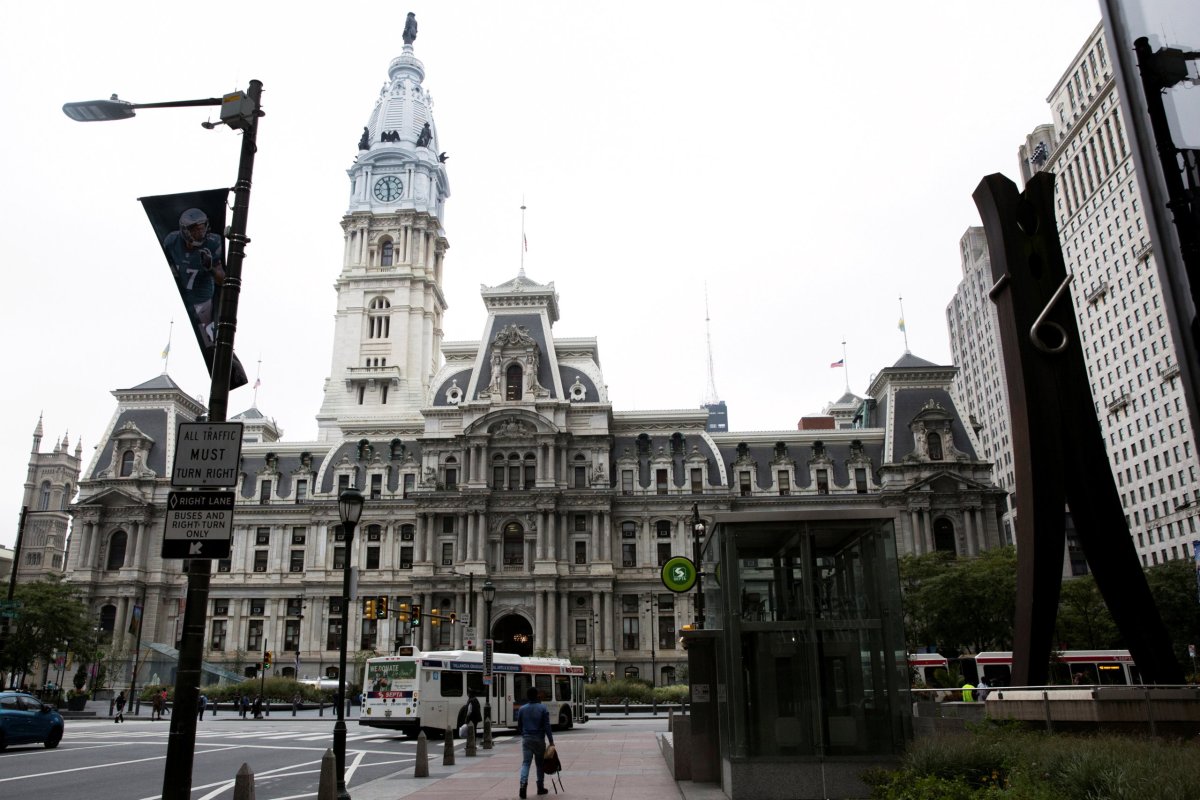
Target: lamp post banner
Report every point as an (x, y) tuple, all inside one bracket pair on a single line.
[(190, 229)]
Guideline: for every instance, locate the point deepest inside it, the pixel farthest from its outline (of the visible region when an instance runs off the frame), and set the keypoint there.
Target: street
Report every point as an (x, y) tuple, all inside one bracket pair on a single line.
[(102, 760)]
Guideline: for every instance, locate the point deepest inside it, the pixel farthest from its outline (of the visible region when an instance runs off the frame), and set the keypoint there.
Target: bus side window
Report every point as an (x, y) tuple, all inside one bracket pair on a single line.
[(562, 687), (475, 683), (544, 686), (521, 684), (451, 683)]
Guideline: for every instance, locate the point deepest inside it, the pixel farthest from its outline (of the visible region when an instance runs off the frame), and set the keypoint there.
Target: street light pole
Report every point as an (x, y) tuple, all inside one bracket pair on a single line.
[(595, 630), (350, 504), (651, 602), (489, 594), (698, 531), (177, 770)]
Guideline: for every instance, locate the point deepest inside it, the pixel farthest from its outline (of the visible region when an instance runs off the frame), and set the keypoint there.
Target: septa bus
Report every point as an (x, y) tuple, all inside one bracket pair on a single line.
[(1088, 667), (924, 665), (414, 690)]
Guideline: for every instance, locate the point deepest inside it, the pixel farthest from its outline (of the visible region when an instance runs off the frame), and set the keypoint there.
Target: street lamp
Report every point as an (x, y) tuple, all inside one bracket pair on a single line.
[(489, 594), (651, 606), (240, 111), (350, 506), (698, 531), (595, 630)]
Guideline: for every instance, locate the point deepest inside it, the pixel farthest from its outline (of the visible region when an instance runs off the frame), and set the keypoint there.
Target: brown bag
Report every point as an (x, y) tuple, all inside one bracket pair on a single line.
[(550, 762)]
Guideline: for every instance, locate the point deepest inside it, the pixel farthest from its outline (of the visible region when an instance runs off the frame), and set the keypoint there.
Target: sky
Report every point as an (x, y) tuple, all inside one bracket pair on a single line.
[(795, 167)]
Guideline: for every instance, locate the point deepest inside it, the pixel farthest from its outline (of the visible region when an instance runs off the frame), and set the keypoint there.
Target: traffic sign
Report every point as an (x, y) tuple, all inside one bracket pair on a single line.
[(470, 634), (198, 525), (10, 608), (679, 574), (488, 648), (207, 454)]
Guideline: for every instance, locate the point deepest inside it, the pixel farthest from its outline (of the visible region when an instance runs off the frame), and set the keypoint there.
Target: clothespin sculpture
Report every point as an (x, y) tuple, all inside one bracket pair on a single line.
[(1058, 447)]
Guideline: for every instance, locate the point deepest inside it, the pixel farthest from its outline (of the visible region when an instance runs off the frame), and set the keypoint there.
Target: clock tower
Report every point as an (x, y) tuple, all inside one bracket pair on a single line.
[(388, 327)]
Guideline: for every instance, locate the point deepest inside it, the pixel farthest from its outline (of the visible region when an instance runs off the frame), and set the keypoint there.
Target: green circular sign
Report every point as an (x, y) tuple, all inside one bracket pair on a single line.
[(679, 574)]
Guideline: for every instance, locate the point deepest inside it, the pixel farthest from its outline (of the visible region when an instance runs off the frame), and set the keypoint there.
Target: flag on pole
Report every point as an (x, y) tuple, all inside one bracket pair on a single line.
[(841, 362), (257, 382), (166, 350), (525, 241), (901, 325)]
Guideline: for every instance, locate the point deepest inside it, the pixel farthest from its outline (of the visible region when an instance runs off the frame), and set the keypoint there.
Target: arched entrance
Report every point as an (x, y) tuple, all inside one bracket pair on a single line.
[(513, 634), (943, 535)]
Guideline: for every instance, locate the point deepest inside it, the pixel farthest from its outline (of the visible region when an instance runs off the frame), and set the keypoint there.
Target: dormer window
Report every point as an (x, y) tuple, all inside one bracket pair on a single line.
[(126, 463), (933, 444), (512, 382)]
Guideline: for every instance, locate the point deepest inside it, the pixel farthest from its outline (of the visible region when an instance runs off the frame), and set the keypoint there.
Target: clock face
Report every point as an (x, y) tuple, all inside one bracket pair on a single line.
[(388, 188)]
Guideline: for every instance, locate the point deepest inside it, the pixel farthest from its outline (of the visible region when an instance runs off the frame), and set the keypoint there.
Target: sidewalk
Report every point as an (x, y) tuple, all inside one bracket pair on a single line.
[(610, 765)]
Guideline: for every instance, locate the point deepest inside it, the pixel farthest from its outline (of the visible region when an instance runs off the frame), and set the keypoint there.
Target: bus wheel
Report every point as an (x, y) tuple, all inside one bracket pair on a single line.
[(565, 722)]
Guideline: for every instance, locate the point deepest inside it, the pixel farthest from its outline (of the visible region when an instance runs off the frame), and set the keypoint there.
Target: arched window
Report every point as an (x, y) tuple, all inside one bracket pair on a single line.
[(66, 498), (116, 550), (126, 463), (512, 381), (943, 535), (108, 621), (514, 545), (385, 255), (44, 497), (933, 443)]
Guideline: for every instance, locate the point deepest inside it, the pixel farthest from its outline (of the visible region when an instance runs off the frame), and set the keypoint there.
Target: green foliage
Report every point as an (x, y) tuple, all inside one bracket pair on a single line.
[(1084, 622), (960, 604), (635, 691), (998, 763), (278, 690), (1173, 585), (51, 617)]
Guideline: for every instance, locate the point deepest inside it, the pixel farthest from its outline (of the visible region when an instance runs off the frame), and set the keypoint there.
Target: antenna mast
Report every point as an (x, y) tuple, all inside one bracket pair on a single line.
[(711, 396)]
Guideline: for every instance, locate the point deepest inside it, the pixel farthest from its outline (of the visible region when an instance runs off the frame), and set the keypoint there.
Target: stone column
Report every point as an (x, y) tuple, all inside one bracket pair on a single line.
[(419, 539), (552, 620), (918, 544), (426, 628), (543, 526), (605, 536), (564, 622), (539, 619), (552, 536), (606, 620)]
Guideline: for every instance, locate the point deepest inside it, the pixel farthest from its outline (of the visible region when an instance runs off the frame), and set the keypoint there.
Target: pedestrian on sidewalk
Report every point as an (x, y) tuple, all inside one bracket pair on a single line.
[(245, 705), (257, 708), (156, 707), (120, 717), (533, 725), (201, 704)]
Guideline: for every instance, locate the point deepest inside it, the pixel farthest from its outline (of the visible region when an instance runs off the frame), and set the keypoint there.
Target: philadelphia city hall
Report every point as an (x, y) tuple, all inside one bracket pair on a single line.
[(499, 459)]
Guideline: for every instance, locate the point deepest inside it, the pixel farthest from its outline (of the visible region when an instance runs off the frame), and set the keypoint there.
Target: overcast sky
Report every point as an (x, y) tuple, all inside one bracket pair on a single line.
[(808, 162)]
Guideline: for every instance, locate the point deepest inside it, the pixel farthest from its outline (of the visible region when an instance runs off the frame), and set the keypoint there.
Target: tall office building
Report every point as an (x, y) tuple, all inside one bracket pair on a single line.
[(1128, 346), (1129, 349)]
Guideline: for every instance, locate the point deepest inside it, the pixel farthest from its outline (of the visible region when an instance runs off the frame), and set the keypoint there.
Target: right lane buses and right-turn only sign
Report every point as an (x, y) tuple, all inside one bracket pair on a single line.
[(198, 525)]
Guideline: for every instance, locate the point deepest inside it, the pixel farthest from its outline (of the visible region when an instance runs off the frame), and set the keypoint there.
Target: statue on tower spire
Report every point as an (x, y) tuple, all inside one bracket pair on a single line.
[(410, 28)]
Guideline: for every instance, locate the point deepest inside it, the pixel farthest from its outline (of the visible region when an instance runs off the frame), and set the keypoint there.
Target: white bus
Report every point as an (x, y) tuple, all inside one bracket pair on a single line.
[(414, 690), (1088, 667)]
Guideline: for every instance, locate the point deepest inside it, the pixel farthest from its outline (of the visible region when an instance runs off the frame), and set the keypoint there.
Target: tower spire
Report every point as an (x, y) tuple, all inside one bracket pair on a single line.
[(711, 395), (524, 241)]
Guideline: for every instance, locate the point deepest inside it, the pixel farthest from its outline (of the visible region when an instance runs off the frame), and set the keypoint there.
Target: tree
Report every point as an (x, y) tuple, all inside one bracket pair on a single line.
[(1174, 586), (960, 604), (50, 617), (1084, 622)]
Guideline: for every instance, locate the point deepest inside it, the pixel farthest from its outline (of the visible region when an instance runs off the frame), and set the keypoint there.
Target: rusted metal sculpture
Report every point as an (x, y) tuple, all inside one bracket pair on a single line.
[(1058, 448)]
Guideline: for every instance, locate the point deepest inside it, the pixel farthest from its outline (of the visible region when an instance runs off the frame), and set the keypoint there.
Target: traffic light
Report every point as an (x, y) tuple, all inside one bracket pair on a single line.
[(381, 607), (416, 615), (434, 618), (403, 612), (267, 660), (368, 608), (453, 618)]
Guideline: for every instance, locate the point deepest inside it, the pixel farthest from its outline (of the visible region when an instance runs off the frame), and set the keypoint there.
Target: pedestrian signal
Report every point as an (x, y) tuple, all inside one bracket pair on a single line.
[(453, 618)]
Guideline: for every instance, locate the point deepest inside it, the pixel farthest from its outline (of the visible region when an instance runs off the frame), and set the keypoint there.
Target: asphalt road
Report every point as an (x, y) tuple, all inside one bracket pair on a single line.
[(102, 760)]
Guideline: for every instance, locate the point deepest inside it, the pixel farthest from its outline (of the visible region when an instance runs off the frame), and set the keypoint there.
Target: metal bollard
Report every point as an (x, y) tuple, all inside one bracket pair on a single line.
[(670, 720), (267, 706), (448, 750), (111, 704), (627, 706), (1150, 715), (654, 706), (487, 733), (421, 767), (327, 787), (470, 751), (215, 704), (321, 707), (243, 784)]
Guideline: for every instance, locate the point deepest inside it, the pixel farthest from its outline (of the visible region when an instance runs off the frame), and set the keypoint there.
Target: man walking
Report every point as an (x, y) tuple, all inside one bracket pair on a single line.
[(533, 724)]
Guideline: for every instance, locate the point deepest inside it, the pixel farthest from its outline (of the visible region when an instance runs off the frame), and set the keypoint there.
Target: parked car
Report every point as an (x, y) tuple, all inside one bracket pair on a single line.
[(26, 720)]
